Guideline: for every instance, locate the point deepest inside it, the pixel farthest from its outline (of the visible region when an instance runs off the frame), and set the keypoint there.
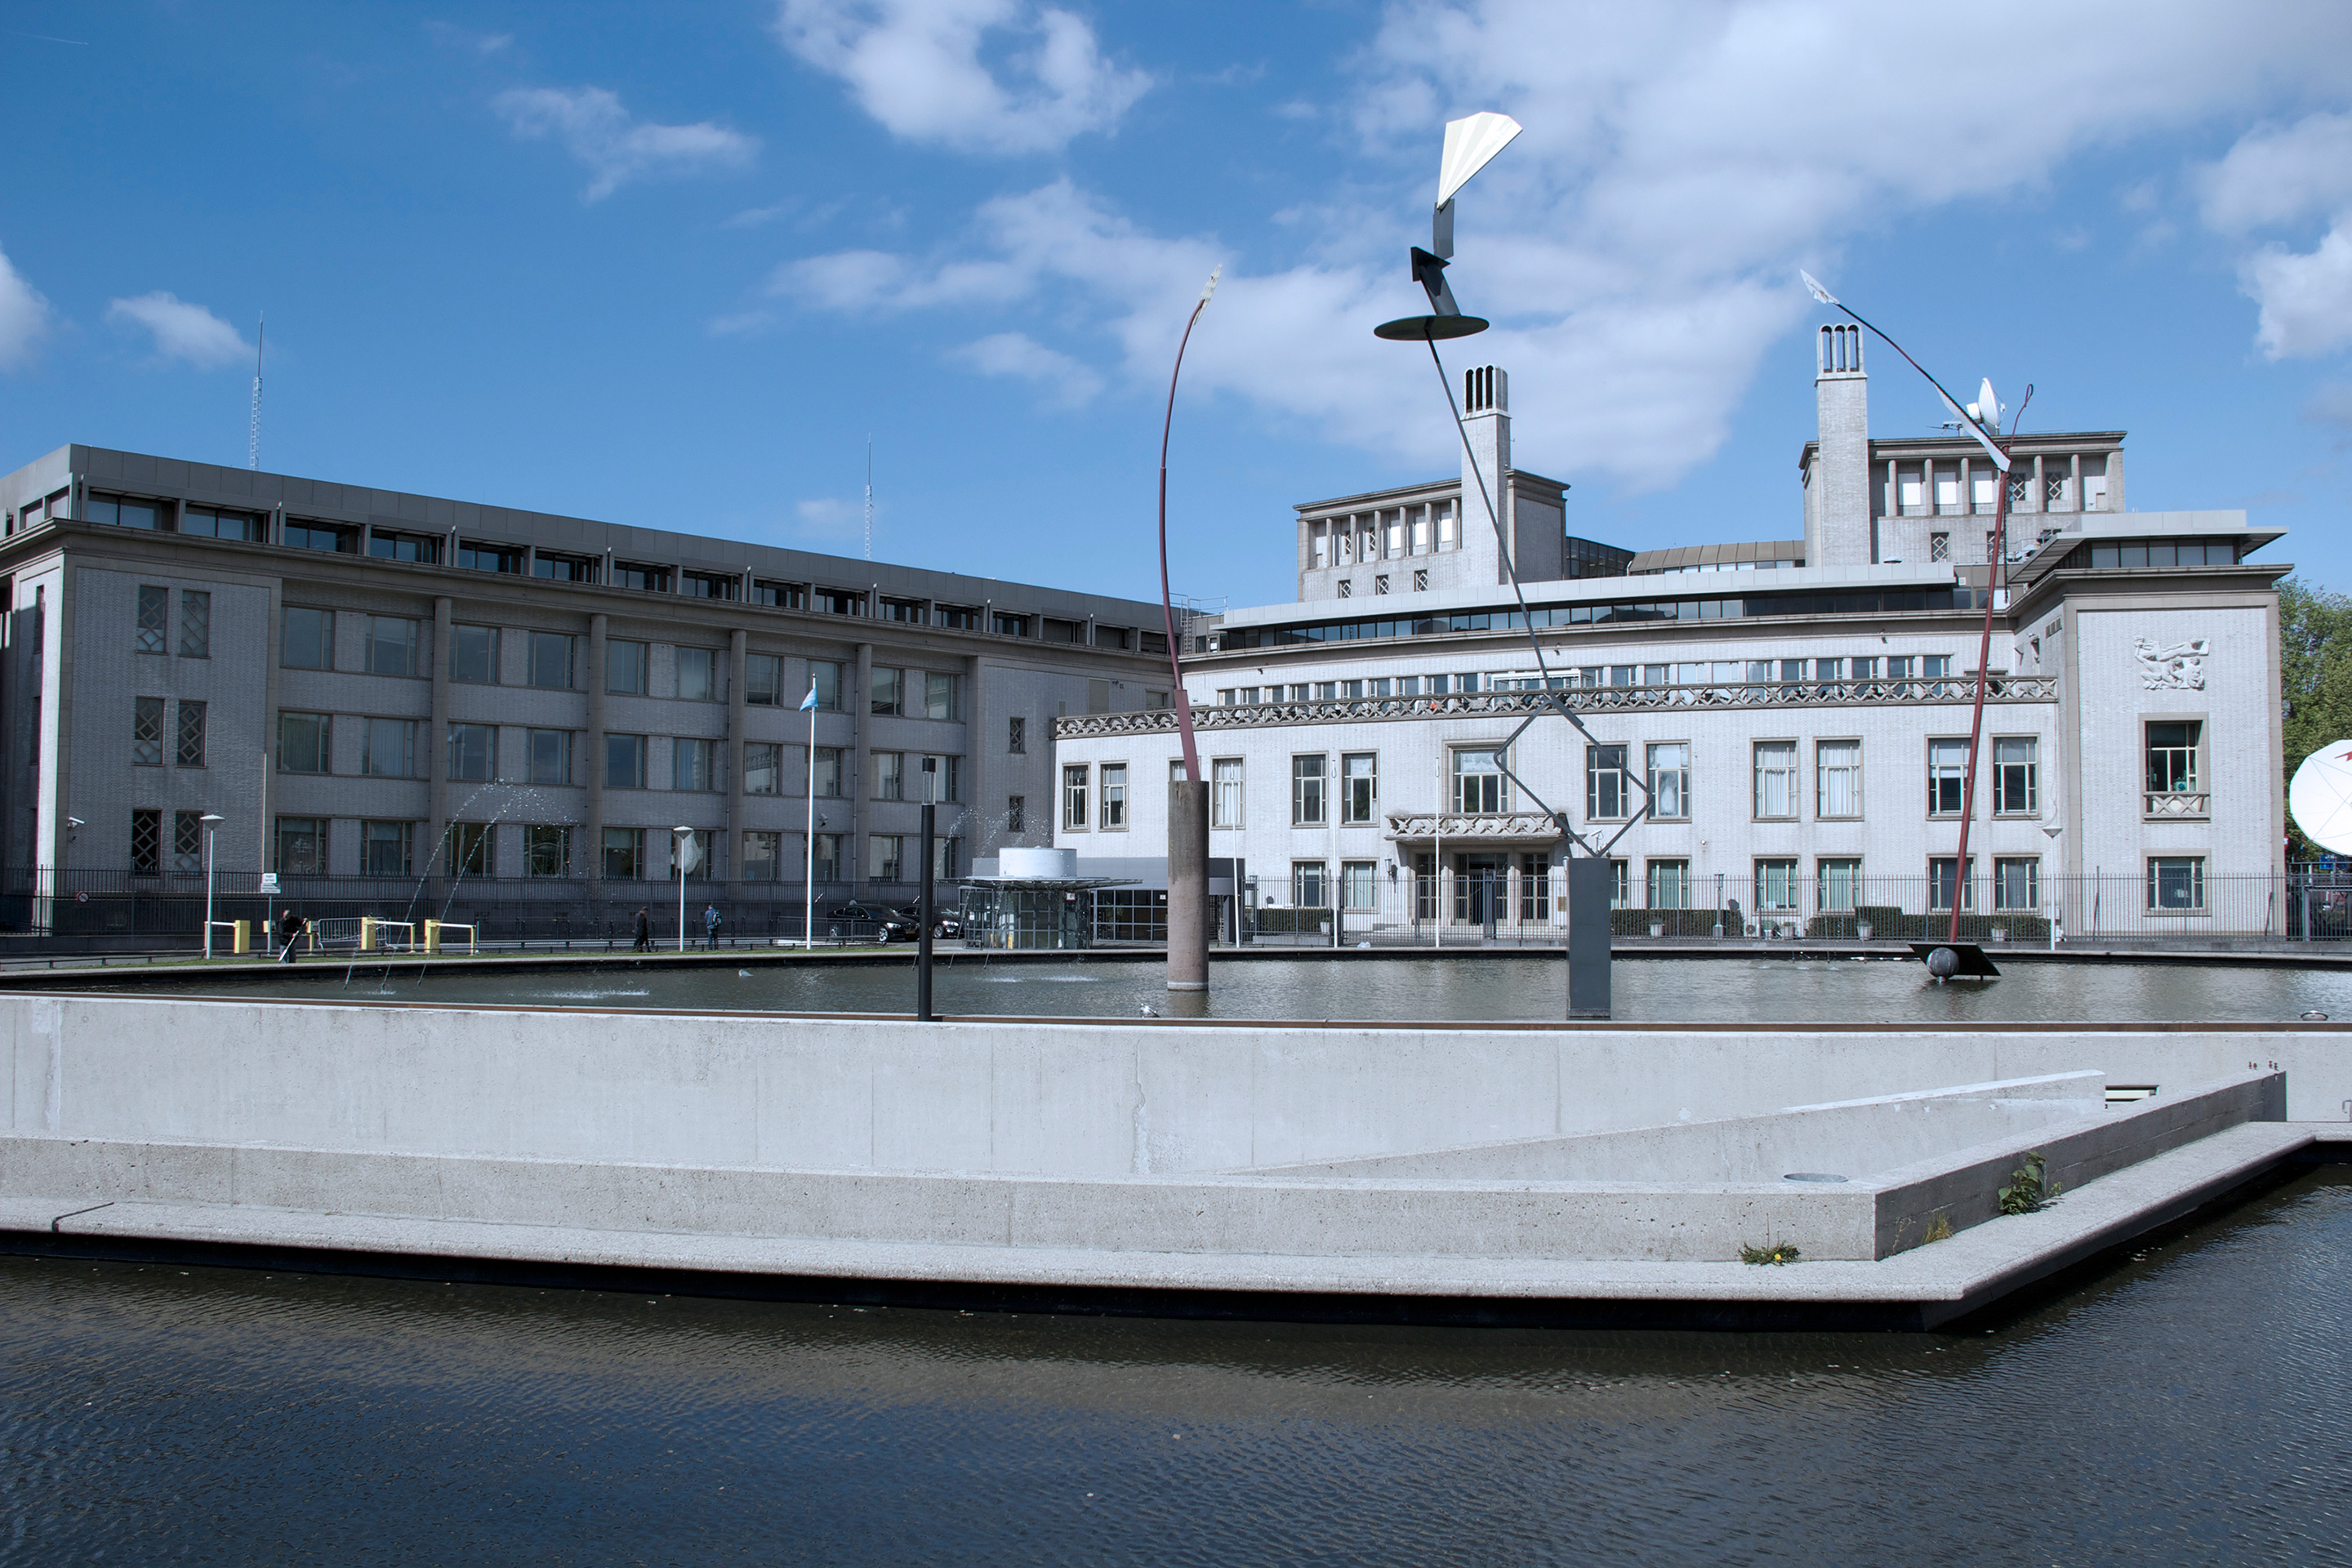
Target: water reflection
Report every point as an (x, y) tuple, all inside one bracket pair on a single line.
[(2191, 1406), (1387, 987)]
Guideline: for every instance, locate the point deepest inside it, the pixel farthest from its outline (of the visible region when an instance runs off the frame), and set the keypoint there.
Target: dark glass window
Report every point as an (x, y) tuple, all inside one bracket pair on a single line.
[(123, 512), (303, 533), (220, 522), (478, 557), (645, 579), (422, 548), (563, 568)]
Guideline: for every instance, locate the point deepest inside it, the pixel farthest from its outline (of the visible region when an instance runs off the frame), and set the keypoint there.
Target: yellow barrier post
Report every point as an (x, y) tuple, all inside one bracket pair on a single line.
[(244, 941), (432, 936), (367, 934)]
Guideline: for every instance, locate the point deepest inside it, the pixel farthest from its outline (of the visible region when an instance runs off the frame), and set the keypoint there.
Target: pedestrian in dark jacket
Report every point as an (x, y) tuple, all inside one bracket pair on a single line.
[(644, 932), (290, 927), (710, 919)]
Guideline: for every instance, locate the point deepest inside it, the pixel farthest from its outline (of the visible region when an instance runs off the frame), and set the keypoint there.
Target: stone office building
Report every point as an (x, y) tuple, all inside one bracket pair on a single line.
[(373, 684), (1798, 710)]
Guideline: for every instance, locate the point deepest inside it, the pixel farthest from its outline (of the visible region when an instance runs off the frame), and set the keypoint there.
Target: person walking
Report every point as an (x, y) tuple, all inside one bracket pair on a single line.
[(290, 927), (644, 932), (710, 919)]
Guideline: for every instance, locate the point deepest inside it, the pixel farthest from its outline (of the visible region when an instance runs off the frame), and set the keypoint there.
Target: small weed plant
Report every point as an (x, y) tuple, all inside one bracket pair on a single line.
[(1778, 1252), (2030, 1187)]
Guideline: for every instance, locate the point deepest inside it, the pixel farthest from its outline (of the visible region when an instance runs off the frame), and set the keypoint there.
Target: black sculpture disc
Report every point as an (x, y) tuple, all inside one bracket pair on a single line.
[(1430, 329)]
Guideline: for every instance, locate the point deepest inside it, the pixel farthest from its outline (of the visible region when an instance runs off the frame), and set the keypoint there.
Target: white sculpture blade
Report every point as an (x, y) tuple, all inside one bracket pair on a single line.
[(2321, 797), (1470, 142)]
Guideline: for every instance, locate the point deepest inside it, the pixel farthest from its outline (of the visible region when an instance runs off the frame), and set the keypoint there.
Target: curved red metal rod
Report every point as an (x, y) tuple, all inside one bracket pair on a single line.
[(1167, 602)]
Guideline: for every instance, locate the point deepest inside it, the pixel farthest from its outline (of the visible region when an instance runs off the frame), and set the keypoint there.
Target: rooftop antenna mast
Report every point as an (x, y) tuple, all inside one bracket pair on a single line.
[(253, 429), (869, 498)]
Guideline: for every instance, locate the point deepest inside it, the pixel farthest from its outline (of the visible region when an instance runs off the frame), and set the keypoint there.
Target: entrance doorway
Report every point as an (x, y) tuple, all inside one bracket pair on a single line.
[(1480, 885)]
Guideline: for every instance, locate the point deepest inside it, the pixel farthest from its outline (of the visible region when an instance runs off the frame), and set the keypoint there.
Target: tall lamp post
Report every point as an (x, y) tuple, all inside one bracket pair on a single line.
[(924, 903), (1188, 798), (210, 821), (681, 860)]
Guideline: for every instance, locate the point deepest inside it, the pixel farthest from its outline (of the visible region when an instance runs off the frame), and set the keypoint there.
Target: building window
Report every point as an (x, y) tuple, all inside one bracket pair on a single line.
[(625, 854), (563, 568), (763, 856), (1535, 887), (828, 771), (472, 752), (546, 850), (307, 533), (469, 848), (763, 768), (188, 842), (1478, 783), (763, 680), (698, 674), (961, 617), (645, 579), (1776, 886), (1360, 786), (302, 846), (624, 762), (393, 642), (155, 614), (1670, 781), (1421, 580), (939, 697), (192, 734), (838, 602), (2176, 884), (891, 776), (2172, 757), (778, 595), (550, 756), (824, 863), (1011, 625), (423, 549), (147, 731), (1776, 781), (907, 610), (625, 668), (474, 557), (1017, 737), (2016, 776), (888, 690), (1380, 583), (1837, 766), (1947, 769), (1307, 885), (883, 857), (695, 854), (308, 641), (123, 512), (1016, 813), (1074, 797), (384, 849), (692, 765), (1942, 875), (824, 679), (1356, 887), (388, 747), (1307, 792), (302, 743), (1839, 886), (551, 660), (711, 585), (1604, 783), (220, 522), (474, 655), (1226, 793), (2017, 884), (1939, 547), (1347, 588), (1055, 630), (147, 843), (1114, 796), (196, 624), (1669, 884)]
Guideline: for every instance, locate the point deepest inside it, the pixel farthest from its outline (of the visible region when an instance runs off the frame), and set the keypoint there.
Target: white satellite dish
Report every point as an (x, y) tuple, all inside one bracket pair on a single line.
[(1470, 142), (2320, 796)]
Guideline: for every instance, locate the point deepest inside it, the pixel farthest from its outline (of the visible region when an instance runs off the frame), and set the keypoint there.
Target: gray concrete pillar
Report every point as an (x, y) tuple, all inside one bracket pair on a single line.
[(859, 702), (1588, 937), (598, 627), (739, 644), (437, 744), (1188, 910)]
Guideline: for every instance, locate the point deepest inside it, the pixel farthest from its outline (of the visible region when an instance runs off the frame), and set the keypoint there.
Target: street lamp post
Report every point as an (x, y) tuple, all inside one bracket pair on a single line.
[(210, 821), (681, 846), (924, 903), (1188, 798)]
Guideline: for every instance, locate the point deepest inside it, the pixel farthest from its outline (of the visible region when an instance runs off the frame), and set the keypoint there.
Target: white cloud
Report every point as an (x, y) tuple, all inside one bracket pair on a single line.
[(616, 147), (24, 316), (2274, 176), (1068, 382), (1637, 247), (464, 40), (2306, 298), (183, 331), (830, 519), (987, 76)]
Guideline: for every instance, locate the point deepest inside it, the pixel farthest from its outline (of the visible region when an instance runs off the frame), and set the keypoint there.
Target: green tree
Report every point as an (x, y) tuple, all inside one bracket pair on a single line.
[(2315, 676)]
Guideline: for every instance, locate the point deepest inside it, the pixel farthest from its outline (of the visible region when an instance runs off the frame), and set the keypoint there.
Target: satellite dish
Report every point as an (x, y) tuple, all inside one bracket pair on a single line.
[(1469, 144), (2320, 796)]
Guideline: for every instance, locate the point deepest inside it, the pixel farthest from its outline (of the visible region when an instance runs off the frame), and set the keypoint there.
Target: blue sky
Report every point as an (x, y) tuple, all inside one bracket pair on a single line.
[(672, 264)]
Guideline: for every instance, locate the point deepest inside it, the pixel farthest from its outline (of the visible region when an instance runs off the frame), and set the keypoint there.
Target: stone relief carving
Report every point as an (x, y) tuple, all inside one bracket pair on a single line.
[(2179, 667)]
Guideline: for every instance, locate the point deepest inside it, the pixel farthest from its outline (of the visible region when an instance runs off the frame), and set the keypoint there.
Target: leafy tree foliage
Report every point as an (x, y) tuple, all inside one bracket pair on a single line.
[(2316, 675)]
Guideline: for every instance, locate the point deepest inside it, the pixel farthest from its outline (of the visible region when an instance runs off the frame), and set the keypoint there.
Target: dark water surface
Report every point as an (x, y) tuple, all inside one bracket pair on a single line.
[(1664, 990), (2193, 1406)]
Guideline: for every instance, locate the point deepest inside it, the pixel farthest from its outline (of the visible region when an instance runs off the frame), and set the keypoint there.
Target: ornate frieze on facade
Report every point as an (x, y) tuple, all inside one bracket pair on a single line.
[(2172, 667), (1507, 827)]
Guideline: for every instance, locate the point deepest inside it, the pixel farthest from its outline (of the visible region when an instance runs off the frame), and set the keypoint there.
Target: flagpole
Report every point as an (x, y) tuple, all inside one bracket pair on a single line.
[(808, 876)]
